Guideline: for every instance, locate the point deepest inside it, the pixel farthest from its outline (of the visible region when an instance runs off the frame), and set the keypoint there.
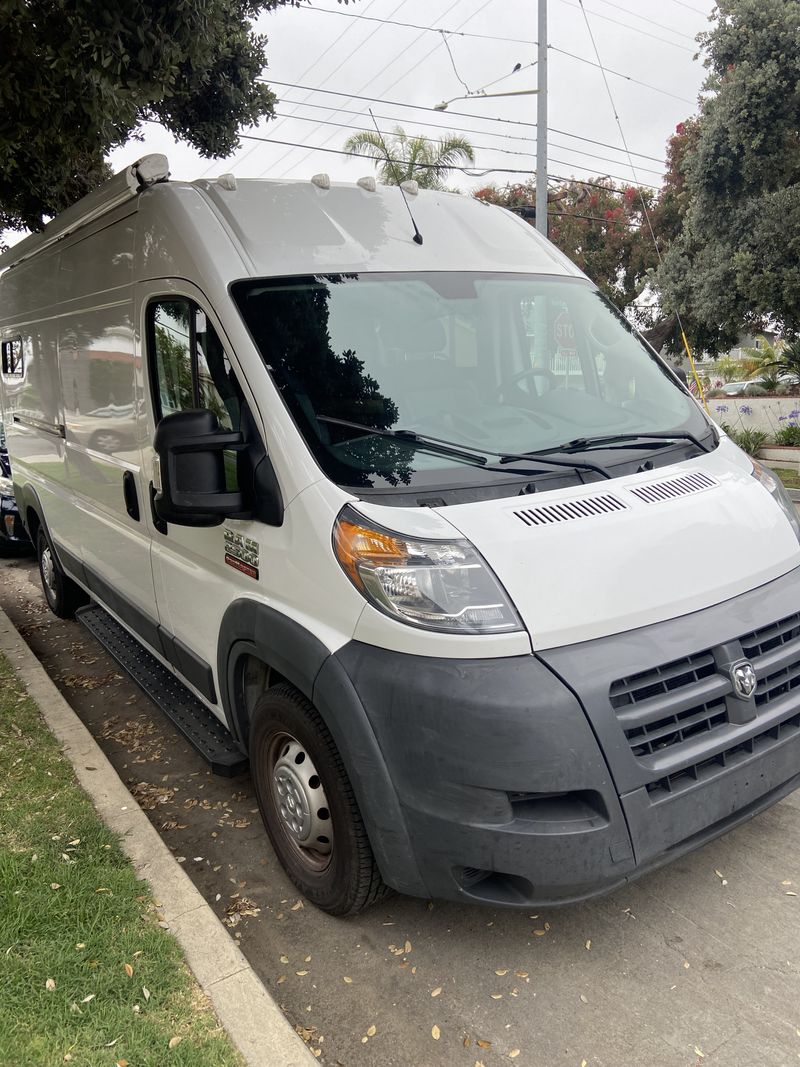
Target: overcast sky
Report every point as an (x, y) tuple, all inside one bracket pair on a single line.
[(324, 47)]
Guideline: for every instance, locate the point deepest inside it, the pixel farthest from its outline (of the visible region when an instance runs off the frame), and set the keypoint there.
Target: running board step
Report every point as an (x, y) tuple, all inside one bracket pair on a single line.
[(197, 724)]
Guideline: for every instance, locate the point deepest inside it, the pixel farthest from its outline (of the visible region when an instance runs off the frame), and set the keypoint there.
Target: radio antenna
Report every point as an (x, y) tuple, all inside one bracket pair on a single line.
[(392, 166)]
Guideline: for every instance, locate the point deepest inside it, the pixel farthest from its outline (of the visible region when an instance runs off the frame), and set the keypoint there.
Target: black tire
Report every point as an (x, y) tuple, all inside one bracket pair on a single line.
[(346, 879), (63, 596)]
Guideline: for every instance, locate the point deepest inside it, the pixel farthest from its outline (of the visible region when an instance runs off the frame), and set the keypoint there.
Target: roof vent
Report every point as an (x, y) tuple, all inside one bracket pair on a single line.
[(367, 183), (410, 186), (567, 510), (227, 181), (656, 492), (322, 181)]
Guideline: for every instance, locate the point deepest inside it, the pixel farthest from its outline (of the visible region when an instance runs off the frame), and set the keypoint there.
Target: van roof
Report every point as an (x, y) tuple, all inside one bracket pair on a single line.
[(291, 227)]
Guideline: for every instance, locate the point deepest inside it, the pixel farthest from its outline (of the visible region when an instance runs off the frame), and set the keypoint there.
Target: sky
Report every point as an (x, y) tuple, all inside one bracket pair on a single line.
[(647, 46)]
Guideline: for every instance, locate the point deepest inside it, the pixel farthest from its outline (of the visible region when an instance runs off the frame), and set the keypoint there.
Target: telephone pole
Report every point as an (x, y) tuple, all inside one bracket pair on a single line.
[(541, 123)]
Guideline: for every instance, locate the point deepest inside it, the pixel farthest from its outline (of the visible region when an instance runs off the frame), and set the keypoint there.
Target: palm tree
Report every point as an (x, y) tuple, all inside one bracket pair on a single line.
[(427, 162)]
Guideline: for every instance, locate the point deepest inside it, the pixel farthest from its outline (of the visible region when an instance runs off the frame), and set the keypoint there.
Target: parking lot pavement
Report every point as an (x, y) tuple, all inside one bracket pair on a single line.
[(696, 964)]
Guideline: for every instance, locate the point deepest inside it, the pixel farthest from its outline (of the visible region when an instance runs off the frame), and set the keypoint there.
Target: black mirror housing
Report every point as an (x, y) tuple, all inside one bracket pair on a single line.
[(190, 447)]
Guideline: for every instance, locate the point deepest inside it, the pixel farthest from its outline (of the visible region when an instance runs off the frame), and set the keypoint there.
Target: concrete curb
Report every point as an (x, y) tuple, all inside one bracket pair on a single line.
[(251, 1017)]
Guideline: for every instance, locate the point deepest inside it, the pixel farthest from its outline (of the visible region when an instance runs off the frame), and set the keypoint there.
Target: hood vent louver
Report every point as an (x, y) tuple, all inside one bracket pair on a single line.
[(566, 510), (658, 492)]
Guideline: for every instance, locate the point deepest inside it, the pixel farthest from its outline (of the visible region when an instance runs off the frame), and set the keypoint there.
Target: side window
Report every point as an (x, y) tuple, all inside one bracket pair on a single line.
[(12, 359), (190, 367)]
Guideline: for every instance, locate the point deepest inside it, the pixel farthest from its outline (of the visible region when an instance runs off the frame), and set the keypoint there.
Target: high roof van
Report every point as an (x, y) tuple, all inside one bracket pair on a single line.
[(374, 486)]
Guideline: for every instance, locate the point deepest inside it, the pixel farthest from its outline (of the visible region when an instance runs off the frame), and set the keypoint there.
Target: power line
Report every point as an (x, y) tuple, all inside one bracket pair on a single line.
[(644, 18), (407, 71), (493, 37), (625, 25), (428, 166), (466, 115), (480, 147), (464, 129), (689, 7)]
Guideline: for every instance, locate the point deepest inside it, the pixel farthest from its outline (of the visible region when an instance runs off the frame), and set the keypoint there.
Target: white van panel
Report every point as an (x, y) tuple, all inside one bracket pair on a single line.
[(608, 573)]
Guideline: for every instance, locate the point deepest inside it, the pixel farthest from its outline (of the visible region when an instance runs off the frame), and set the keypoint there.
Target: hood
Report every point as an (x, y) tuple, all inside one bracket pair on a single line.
[(582, 563)]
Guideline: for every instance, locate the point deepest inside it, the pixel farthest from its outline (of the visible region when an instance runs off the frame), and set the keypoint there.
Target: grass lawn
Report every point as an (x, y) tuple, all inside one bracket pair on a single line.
[(87, 977), (789, 477)]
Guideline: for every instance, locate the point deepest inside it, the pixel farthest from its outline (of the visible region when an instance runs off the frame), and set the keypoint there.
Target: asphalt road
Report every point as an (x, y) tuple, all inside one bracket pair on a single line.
[(697, 964)]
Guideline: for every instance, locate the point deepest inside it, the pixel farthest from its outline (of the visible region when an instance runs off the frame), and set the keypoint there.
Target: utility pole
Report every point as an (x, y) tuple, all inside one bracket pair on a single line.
[(541, 123)]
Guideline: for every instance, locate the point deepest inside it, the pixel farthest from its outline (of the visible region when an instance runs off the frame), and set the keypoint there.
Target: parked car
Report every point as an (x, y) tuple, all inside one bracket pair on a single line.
[(13, 536), (413, 517)]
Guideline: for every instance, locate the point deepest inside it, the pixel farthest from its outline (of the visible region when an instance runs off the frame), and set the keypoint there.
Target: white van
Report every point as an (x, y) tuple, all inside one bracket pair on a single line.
[(495, 610)]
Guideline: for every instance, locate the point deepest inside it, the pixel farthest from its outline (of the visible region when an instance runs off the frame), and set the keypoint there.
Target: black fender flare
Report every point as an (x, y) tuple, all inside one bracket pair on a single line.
[(251, 627)]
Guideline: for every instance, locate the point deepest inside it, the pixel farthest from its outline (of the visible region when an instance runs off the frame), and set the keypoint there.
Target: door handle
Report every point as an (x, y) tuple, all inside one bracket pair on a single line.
[(158, 523), (130, 494)]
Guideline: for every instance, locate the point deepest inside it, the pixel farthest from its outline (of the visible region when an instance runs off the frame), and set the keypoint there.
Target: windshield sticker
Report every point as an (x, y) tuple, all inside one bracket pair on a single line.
[(241, 553)]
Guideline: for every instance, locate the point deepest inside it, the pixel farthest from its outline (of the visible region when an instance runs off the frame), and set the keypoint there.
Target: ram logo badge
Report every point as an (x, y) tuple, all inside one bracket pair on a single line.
[(744, 680), (241, 553)]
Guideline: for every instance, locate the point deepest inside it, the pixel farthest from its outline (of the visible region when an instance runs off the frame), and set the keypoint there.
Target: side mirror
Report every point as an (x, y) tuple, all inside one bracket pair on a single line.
[(191, 456)]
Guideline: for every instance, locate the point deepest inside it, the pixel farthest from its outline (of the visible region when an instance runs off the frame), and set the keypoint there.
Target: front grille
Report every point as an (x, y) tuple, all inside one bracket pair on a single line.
[(729, 757), (686, 701)]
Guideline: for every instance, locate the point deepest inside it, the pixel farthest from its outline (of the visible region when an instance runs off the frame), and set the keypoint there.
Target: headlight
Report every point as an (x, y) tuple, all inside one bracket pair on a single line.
[(436, 585), (774, 487)]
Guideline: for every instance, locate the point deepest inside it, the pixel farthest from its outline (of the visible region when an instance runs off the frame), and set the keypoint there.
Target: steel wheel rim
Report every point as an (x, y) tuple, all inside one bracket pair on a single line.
[(47, 567), (299, 802)]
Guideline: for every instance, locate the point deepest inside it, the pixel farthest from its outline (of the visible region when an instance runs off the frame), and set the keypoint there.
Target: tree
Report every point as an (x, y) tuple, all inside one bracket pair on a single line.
[(735, 265), (599, 225), (77, 80), (427, 162)]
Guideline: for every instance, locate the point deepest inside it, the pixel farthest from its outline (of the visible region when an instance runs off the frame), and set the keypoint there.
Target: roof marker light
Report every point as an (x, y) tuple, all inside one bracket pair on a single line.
[(322, 181), (410, 186), (227, 181), (367, 183)]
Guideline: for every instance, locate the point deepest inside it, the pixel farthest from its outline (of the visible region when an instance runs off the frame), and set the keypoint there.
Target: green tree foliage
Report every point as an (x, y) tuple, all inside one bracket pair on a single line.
[(427, 162), (736, 263), (601, 228), (77, 79)]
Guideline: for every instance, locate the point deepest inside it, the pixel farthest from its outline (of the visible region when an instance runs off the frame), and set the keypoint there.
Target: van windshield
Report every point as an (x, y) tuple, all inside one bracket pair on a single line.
[(497, 363)]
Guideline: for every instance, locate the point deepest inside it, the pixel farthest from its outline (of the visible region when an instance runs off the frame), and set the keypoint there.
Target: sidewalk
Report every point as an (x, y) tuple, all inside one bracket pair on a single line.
[(52, 846)]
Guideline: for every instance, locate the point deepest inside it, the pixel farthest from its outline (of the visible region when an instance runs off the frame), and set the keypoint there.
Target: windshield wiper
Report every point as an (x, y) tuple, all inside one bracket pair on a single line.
[(473, 455), (627, 440)]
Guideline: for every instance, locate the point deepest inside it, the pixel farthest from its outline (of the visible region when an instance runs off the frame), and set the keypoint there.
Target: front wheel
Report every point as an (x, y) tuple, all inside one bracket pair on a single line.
[(308, 806), (63, 596)]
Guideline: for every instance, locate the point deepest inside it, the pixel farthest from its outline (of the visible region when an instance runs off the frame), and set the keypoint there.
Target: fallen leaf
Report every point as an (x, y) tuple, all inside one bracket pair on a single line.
[(301, 974), (583, 999), (588, 945), (496, 996), (513, 1053), (284, 959), (129, 970), (436, 1033), (407, 947), (786, 881), (88, 998), (50, 984), (521, 974), (699, 1052), (348, 980), (584, 1063), (307, 959), (281, 979), (80, 945), (500, 974), (790, 893), (297, 906), (175, 1041), (122, 1063), (483, 1044), (540, 933), (435, 992), (145, 992), (372, 1031), (54, 885)]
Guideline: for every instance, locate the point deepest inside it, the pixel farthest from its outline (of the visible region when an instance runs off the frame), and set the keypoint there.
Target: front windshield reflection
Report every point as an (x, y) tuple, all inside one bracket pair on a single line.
[(501, 363)]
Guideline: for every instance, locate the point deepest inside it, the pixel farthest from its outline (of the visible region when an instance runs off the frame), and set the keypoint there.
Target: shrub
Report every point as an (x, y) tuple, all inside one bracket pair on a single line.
[(788, 435), (750, 441), (712, 394), (755, 390)]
